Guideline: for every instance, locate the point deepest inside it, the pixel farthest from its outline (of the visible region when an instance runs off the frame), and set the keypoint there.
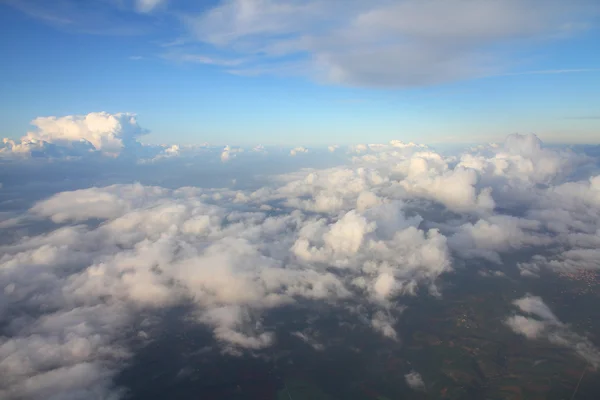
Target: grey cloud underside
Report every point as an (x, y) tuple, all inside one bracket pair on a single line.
[(361, 236)]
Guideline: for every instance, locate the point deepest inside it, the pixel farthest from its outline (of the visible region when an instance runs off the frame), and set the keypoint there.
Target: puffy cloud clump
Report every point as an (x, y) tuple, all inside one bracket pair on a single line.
[(570, 211), (298, 150), (230, 152), (30, 147), (125, 250), (489, 237), (523, 161), (539, 322), (414, 380), (103, 134), (106, 133)]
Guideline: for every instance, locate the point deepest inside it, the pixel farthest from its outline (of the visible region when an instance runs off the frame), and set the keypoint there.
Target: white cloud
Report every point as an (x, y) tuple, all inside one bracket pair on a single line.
[(414, 380), (108, 133), (382, 43), (384, 323), (528, 327), (298, 150), (156, 248), (543, 324), (91, 203), (524, 161), (230, 152), (308, 337), (499, 233), (534, 305), (76, 135), (148, 5)]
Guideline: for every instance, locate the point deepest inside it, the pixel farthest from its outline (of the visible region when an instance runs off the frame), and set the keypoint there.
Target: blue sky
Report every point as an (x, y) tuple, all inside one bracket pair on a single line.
[(307, 72)]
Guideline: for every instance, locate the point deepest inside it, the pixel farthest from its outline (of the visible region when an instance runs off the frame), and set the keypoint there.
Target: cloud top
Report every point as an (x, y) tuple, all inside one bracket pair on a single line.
[(106, 133)]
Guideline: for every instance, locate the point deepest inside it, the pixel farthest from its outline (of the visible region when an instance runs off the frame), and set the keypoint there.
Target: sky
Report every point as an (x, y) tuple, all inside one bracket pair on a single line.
[(307, 72)]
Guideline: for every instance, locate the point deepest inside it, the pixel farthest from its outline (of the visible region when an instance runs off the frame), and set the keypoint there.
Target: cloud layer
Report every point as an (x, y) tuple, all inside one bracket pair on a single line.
[(361, 236)]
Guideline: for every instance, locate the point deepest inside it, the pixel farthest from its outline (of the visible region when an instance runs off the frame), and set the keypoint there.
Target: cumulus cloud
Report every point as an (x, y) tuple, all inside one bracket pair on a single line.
[(381, 43), (103, 134), (489, 237), (414, 380), (523, 161), (541, 323), (76, 135), (156, 248), (298, 150), (230, 152), (29, 147), (384, 323)]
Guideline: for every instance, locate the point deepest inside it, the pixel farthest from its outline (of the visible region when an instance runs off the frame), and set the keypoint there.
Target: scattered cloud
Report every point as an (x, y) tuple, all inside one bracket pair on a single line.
[(553, 71), (541, 323), (298, 150), (414, 380), (309, 339), (585, 117), (103, 17), (202, 59), (230, 152)]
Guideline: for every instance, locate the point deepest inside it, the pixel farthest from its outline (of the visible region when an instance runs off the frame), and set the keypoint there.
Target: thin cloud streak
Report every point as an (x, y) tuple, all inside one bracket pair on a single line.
[(552, 71)]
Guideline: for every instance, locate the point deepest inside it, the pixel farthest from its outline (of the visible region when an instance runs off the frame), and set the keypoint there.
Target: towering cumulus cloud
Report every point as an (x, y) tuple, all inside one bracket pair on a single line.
[(76, 135), (359, 237)]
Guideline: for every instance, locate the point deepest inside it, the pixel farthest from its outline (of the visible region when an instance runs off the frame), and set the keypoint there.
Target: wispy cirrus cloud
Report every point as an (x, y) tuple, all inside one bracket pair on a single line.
[(553, 71), (378, 43), (203, 59), (584, 117), (148, 5), (103, 17), (386, 44)]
